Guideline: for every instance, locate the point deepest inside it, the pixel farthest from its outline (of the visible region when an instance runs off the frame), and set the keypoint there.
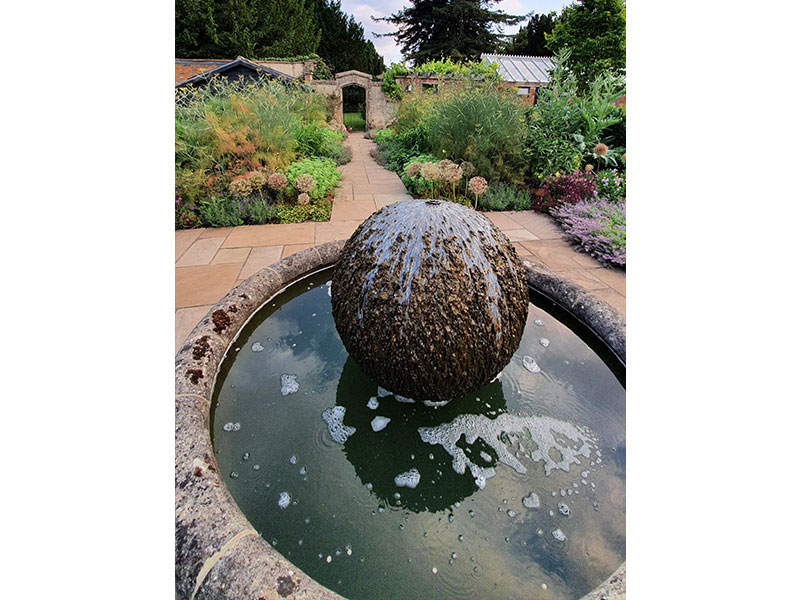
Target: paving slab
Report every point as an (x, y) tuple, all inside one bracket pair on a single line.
[(290, 249), (352, 210), (185, 321), (200, 253), (335, 230), (185, 238), (231, 255), (260, 257), (207, 284), (270, 235)]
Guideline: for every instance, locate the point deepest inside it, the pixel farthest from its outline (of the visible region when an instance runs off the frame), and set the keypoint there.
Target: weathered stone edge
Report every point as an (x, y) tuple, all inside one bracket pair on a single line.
[(218, 553)]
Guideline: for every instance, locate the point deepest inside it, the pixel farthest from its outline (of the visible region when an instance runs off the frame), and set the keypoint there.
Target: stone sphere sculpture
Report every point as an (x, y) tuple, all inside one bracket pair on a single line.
[(430, 299)]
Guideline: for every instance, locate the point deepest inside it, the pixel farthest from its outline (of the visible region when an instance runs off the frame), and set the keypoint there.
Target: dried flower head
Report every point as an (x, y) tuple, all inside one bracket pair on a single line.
[(477, 185), (589, 167), (413, 169), (467, 168), (277, 181), (304, 182), (445, 164), (430, 171), (303, 199), (601, 149), (451, 173), (240, 187), (256, 179)]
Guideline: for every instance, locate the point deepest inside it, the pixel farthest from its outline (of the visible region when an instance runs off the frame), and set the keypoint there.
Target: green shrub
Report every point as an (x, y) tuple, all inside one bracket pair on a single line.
[(389, 86), (319, 210), (565, 125), (482, 125), (500, 196), (319, 140), (323, 170)]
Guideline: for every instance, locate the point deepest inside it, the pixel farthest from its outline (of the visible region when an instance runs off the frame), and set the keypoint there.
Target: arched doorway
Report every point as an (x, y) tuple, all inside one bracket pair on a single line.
[(376, 109), (354, 107)]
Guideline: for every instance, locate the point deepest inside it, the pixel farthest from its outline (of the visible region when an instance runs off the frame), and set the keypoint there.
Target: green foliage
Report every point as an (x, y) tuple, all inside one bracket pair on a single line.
[(323, 170), (319, 210), (483, 126), (445, 66), (429, 29), (250, 28), (355, 121), (342, 43), (594, 32), (530, 40), (565, 124), (389, 85), (500, 196), (319, 140)]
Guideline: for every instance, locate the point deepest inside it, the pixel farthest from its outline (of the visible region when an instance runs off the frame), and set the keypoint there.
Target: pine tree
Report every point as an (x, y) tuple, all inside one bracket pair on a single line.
[(342, 43), (430, 29), (530, 41), (249, 28)]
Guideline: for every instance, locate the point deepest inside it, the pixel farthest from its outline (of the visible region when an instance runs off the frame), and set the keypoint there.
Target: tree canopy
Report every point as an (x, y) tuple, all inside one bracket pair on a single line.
[(259, 29), (594, 32), (530, 40), (342, 43), (431, 29)]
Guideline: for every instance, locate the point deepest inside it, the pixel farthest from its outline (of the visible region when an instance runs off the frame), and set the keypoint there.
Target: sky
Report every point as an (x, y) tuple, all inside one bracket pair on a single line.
[(362, 10)]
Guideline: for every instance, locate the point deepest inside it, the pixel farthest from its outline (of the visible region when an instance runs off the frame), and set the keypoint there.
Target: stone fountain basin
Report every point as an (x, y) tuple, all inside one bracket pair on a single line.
[(218, 553)]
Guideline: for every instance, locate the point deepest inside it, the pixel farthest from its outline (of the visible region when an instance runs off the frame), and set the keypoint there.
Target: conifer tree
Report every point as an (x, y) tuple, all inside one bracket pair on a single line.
[(430, 29)]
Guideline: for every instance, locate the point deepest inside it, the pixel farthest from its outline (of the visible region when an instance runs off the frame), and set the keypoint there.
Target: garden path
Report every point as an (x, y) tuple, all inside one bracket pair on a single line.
[(209, 262)]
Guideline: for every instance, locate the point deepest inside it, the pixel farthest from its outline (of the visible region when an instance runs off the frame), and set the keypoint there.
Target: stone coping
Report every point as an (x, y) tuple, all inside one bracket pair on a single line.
[(218, 553)]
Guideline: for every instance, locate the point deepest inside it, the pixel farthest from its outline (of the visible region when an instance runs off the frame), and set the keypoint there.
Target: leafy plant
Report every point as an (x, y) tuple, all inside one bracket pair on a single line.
[(501, 196), (319, 210), (323, 170)]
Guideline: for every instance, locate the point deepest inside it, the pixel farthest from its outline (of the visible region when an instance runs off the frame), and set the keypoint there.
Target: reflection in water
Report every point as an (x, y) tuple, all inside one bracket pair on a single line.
[(379, 457)]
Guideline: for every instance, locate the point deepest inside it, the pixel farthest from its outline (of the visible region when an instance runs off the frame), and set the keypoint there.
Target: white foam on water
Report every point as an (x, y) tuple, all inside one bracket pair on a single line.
[(328, 285), (563, 509), (531, 501), (538, 322), (379, 423), (544, 342), (303, 470), (404, 399), (486, 456), (530, 364), (373, 403), (289, 384), (292, 459), (511, 513), (257, 347), (584, 474), (434, 404), (546, 433), (559, 535), (284, 500), (383, 392), (232, 426), (409, 479), (496, 377), (334, 417)]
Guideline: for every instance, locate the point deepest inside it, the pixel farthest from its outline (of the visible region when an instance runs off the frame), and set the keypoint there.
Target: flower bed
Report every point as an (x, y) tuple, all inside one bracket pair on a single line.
[(597, 226), (252, 153)]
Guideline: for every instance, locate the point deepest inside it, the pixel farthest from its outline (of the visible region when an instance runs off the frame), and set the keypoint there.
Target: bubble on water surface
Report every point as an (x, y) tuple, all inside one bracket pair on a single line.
[(563, 509), (234, 475), (334, 417), (538, 322), (256, 467), (232, 426), (547, 433), (486, 456), (408, 479), (284, 500), (257, 347), (246, 456), (373, 403), (530, 364), (328, 285), (544, 342), (531, 501), (292, 459), (511, 513), (303, 470), (559, 535), (289, 384), (379, 423)]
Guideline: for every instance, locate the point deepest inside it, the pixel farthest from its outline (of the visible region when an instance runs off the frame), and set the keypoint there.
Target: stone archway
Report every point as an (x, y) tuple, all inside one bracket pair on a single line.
[(377, 107)]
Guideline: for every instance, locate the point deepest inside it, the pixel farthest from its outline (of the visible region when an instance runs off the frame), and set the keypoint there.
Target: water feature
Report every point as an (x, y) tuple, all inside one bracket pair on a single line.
[(517, 490)]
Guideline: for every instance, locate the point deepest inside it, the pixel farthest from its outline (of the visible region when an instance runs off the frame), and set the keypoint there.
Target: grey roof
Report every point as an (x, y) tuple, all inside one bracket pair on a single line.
[(521, 69), (238, 61)]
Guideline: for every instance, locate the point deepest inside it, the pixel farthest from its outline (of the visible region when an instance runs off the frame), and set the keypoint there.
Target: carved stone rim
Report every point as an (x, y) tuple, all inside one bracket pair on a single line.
[(217, 551)]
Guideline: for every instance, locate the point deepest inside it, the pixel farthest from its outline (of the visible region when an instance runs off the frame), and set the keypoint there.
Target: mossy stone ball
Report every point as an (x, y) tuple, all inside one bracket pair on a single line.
[(430, 299)]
